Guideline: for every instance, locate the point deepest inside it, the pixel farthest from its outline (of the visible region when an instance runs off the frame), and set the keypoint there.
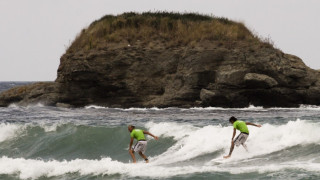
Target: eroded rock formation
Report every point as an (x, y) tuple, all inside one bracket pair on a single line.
[(136, 70)]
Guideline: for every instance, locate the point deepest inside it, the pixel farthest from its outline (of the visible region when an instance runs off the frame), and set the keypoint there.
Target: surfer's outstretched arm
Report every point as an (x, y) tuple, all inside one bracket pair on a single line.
[(257, 125), (234, 134), (155, 137)]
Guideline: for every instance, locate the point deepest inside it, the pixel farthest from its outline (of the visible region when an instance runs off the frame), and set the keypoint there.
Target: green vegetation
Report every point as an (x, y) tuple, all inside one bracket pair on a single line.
[(174, 28)]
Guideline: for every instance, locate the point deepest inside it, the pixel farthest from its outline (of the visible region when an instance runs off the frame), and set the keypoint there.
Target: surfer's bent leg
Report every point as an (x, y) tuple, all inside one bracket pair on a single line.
[(143, 156), (245, 147)]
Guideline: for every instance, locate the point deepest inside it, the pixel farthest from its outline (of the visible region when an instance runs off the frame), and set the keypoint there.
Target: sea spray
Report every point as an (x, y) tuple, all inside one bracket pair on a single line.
[(8, 131)]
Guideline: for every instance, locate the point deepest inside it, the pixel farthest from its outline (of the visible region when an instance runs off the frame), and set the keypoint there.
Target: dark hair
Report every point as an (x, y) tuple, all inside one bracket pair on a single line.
[(232, 119), (132, 126)]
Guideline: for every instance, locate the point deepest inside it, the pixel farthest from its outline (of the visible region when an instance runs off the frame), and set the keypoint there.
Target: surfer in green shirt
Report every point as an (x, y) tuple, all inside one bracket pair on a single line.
[(242, 137), (141, 145)]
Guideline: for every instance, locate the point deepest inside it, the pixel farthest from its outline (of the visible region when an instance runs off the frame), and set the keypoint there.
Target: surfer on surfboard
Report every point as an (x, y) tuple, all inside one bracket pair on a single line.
[(141, 145), (242, 137)]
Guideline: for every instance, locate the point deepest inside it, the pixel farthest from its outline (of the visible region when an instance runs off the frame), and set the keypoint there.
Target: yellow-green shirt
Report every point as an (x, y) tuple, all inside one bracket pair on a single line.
[(241, 126), (137, 134)]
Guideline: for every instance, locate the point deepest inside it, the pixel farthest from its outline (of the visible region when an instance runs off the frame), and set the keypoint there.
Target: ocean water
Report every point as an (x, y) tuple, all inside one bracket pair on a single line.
[(40, 142)]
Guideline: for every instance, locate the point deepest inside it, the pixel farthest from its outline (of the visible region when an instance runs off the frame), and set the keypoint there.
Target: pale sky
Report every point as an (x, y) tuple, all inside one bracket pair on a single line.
[(34, 34)]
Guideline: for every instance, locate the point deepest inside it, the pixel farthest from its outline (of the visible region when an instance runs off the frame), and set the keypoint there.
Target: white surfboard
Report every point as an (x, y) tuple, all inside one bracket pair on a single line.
[(216, 161)]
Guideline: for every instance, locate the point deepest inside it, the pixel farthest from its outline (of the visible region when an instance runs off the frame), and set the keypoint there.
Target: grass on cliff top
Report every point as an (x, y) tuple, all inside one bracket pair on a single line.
[(173, 28)]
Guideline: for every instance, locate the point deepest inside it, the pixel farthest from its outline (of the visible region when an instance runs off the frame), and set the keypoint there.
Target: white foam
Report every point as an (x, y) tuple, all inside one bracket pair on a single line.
[(271, 138), (36, 105), (143, 109), (252, 107), (33, 169), (16, 106), (13, 106), (124, 109), (206, 108), (30, 168), (309, 107), (95, 107), (49, 127), (191, 142), (249, 108), (8, 131), (158, 109)]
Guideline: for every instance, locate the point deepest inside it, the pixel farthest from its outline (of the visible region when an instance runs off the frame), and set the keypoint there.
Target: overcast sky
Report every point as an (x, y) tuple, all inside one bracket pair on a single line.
[(35, 33)]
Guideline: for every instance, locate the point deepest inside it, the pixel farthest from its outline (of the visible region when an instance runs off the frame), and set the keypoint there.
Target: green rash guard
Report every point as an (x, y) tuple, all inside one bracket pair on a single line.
[(241, 126), (137, 134)]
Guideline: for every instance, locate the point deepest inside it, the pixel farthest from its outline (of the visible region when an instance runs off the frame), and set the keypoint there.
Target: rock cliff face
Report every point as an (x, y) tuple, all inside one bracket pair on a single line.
[(172, 60)]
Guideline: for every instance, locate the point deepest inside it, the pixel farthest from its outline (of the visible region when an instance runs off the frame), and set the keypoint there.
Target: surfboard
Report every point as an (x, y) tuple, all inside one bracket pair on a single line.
[(216, 161)]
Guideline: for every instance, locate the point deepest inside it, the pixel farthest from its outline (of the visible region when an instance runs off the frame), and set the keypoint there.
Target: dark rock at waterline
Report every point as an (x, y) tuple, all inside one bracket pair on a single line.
[(155, 71)]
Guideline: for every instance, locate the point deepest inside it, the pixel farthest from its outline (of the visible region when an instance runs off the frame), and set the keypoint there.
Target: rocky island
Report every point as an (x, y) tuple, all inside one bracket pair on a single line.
[(172, 60)]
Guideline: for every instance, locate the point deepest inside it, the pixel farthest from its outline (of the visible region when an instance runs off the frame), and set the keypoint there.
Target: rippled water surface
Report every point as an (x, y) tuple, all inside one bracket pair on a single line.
[(39, 142)]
